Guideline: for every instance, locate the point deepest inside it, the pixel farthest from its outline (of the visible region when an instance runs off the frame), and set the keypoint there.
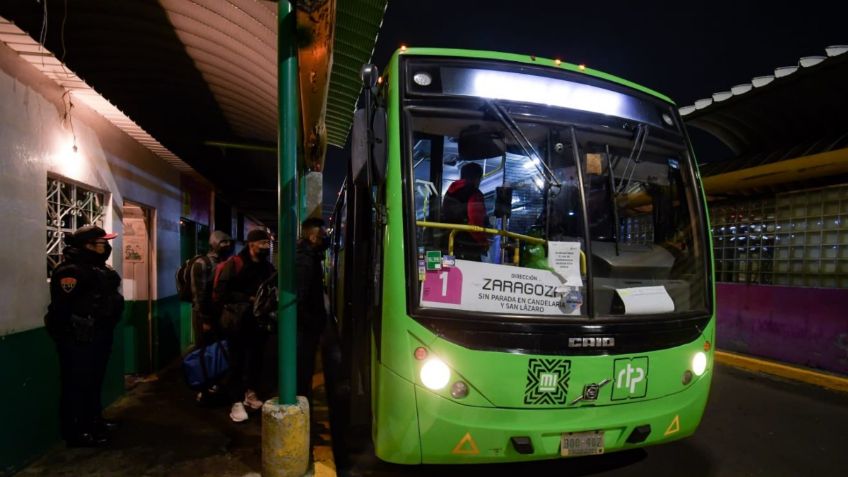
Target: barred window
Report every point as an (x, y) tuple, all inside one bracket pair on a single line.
[(796, 238), (69, 207)]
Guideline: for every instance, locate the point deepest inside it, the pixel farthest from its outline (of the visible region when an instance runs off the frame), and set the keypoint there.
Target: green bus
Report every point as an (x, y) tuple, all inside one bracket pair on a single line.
[(583, 321)]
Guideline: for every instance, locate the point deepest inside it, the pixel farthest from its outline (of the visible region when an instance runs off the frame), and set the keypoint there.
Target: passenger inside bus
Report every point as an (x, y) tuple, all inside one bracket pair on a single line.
[(464, 204)]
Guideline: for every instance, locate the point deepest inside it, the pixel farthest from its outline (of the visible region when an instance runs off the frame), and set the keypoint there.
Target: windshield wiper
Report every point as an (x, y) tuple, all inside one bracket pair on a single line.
[(638, 144), (505, 118), (613, 196)]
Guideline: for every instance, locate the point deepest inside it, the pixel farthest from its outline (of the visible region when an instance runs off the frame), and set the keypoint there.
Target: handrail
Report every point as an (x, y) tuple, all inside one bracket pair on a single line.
[(454, 228)]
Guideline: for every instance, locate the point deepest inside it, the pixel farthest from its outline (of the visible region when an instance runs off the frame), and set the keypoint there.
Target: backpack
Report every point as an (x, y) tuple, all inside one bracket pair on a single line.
[(239, 264), (183, 277), (266, 297)]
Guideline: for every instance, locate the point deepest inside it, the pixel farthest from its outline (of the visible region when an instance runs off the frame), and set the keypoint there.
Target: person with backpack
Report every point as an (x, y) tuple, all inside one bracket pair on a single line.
[(464, 204), (237, 283), (204, 317)]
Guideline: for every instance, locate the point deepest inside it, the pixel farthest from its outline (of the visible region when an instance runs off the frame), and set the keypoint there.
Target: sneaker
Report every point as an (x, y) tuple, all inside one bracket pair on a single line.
[(251, 401), (237, 413)]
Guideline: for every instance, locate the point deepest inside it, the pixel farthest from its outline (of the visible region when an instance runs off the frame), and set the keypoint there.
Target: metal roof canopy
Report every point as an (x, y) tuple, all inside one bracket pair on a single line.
[(190, 72), (797, 112)]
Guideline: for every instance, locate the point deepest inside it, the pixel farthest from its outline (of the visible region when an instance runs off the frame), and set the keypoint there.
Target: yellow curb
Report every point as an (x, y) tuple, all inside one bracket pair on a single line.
[(749, 363)]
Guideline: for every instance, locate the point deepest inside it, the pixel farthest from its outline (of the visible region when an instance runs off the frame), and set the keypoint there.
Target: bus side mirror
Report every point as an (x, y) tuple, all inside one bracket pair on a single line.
[(359, 148), (378, 148), (368, 139)]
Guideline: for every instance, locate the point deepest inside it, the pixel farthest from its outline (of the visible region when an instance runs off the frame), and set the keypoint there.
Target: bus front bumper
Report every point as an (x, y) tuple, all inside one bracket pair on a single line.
[(453, 433)]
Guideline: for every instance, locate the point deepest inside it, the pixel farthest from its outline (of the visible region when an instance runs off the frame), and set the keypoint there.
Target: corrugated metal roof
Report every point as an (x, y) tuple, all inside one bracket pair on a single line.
[(234, 47), (761, 81), (776, 122), (196, 71), (357, 24)]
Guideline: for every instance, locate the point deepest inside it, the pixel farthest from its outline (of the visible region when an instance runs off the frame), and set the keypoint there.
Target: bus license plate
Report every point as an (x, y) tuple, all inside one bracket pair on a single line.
[(582, 443)]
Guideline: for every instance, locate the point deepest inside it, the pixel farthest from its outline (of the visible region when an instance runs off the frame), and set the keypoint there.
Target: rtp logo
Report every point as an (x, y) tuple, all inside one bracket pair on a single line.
[(631, 378)]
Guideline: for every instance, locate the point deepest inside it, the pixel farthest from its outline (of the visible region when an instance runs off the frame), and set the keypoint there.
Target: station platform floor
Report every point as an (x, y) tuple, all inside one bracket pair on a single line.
[(164, 432)]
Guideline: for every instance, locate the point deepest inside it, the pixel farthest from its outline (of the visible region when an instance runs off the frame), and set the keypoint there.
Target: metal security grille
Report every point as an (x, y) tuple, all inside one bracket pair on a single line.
[(69, 207)]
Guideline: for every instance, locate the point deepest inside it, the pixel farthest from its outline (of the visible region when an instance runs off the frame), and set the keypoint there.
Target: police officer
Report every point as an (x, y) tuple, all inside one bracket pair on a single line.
[(84, 308)]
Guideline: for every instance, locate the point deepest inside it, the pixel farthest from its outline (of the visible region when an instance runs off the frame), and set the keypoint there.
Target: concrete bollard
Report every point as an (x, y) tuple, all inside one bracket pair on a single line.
[(285, 438)]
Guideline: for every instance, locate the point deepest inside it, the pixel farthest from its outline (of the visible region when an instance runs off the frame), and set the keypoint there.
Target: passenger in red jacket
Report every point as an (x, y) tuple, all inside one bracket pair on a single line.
[(463, 204)]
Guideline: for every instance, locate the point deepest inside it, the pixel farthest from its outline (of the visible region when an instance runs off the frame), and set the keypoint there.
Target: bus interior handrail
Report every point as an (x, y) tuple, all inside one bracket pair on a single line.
[(454, 228)]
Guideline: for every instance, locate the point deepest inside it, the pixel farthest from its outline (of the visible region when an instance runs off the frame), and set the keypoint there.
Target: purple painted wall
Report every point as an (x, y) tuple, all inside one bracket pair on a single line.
[(806, 326)]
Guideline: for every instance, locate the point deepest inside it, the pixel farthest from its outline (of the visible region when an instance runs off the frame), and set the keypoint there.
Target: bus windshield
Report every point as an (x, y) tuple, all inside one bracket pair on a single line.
[(532, 211)]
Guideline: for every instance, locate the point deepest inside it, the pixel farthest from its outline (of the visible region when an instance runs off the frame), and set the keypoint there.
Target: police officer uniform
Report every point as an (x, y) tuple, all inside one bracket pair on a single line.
[(84, 308)]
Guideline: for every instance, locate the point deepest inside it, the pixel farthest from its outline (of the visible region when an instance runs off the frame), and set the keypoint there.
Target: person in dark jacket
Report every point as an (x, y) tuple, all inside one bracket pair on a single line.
[(236, 289), (85, 305), (311, 313), (203, 316), (463, 204)]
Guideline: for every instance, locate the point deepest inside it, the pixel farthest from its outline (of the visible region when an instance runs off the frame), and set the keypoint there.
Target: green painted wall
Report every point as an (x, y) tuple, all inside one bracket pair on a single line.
[(133, 333), (186, 339), (29, 397), (169, 330), (29, 373)]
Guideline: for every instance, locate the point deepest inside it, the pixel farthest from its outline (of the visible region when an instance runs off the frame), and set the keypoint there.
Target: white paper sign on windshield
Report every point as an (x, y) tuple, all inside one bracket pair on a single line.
[(485, 287), (564, 258), (645, 300)]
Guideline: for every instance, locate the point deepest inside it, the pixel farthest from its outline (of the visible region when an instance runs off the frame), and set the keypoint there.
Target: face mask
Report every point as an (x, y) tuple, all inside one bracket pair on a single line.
[(100, 257), (264, 252), (225, 252)]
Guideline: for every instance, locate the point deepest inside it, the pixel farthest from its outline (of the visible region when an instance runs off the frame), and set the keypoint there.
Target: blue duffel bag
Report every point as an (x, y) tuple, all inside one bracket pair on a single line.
[(204, 366)]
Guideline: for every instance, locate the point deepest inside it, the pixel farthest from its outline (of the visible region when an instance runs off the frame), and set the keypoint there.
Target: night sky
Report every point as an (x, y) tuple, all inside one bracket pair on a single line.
[(686, 50)]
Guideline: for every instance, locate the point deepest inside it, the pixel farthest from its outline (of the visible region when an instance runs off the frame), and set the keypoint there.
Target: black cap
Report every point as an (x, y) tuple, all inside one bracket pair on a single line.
[(87, 233), (256, 235)]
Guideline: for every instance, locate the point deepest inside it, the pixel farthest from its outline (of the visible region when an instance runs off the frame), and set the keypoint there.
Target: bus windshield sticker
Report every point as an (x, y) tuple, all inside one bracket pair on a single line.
[(443, 288), (485, 287), (564, 258), (645, 300), (448, 261), (593, 164), (434, 260)]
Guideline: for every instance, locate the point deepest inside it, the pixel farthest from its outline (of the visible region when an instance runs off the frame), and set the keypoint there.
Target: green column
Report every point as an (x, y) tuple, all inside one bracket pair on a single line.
[(287, 188)]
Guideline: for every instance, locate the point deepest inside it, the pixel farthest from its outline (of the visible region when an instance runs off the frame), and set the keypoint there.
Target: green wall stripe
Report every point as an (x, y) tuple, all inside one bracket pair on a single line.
[(29, 373)]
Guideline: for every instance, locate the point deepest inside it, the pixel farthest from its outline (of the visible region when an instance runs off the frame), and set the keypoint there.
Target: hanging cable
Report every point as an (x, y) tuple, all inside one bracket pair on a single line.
[(67, 116), (42, 37)]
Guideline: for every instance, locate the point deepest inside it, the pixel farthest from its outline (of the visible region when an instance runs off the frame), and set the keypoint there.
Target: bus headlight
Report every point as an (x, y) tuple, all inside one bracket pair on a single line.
[(699, 363), (435, 374)]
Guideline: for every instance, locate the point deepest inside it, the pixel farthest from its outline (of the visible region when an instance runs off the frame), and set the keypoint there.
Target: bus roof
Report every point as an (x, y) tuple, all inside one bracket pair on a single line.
[(526, 59)]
